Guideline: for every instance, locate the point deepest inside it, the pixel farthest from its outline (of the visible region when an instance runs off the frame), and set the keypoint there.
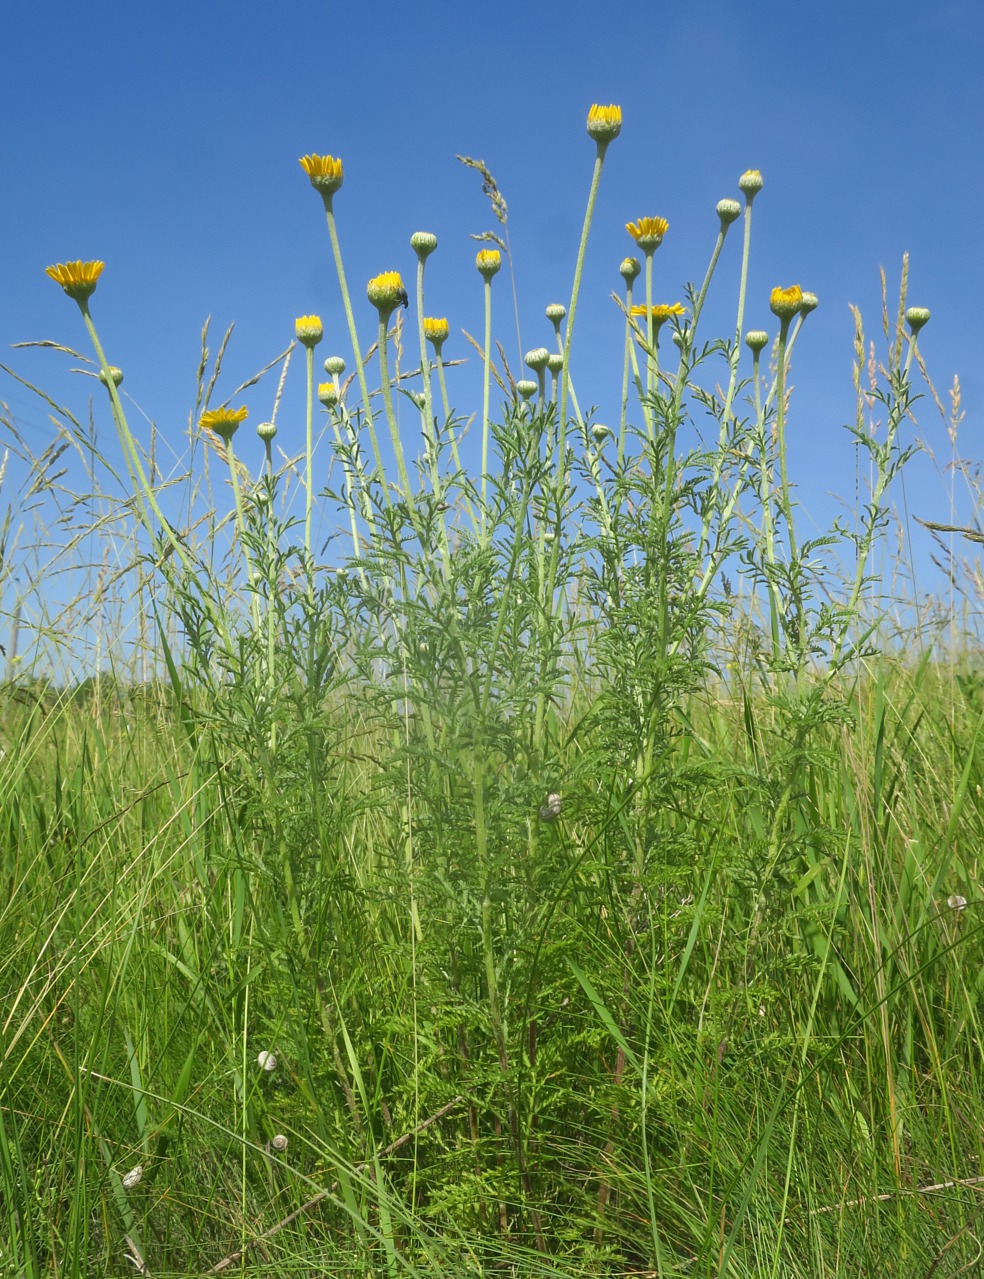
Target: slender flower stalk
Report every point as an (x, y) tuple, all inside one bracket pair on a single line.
[(604, 125), (79, 280), (225, 423), (648, 234), (309, 332), (386, 292), (423, 244), (325, 173), (629, 271), (488, 262)]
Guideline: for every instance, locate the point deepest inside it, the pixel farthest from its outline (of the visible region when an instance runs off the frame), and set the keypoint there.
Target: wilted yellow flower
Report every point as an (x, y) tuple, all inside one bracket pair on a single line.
[(386, 291), (78, 279), (324, 171), (604, 123), (436, 330), (309, 330), (648, 232), (785, 303), (488, 262), (224, 422)]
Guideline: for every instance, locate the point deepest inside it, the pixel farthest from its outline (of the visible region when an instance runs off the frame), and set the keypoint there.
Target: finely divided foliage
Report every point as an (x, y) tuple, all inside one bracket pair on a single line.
[(559, 870)]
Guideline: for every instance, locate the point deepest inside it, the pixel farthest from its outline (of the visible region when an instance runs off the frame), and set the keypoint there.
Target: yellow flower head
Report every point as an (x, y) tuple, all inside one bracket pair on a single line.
[(78, 279), (309, 330), (327, 394), (488, 262), (659, 314), (324, 171), (386, 292), (604, 123), (224, 422), (785, 303), (648, 232), (436, 330)]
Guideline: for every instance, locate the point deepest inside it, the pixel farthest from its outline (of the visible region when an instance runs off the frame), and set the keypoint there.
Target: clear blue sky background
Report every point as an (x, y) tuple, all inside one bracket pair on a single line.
[(164, 139)]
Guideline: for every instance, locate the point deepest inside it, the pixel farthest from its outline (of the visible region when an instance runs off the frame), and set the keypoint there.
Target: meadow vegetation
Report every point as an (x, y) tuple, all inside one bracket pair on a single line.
[(567, 870)]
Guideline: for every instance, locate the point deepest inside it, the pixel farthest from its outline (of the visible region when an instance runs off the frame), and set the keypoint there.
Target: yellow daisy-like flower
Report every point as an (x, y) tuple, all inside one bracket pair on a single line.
[(785, 303), (386, 292), (224, 422), (309, 330), (488, 262), (659, 314), (436, 330), (324, 171), (648, 232), (78, 279), (604, 123)]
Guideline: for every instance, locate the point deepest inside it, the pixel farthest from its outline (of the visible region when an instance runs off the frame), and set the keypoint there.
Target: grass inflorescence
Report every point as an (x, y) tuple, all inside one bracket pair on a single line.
[(576, 875)]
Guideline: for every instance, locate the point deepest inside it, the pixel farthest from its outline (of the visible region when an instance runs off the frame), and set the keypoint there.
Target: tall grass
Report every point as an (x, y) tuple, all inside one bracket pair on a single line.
[(577, 877)]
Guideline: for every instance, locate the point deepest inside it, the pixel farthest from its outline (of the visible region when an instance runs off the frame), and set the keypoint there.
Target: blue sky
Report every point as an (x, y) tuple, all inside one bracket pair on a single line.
[(164, 140)]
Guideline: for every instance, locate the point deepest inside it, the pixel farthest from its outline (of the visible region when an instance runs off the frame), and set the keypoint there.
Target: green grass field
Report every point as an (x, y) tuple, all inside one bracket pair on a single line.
[(575, 875)]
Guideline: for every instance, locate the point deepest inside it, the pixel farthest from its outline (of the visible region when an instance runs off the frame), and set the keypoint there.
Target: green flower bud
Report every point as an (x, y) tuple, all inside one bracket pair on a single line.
[(115, 373), (756, 340), (266, 431), (423, 244), (526, 388), (537, 359), (916, 317), (750, 183), (335, 366), (629, 269), (728, 211)]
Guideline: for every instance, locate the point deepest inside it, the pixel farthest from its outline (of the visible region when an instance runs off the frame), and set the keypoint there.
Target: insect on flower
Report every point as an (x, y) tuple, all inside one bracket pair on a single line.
[(401, 296)]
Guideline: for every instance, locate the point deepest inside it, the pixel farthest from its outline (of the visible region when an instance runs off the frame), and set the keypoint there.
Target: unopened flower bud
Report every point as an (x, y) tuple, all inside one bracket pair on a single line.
[(728, 211), (266, 431), (436, 331), (386, 292), (916, 317), (335, 365), (309, 330), (600, 433), (629, 269), (750, 183), (785, 303), (810, 303), (327, 394), (555, 362), (526, 388), (423, 244), (555, 313), (115, 373), (604, 123), (537, 359), (756, 340), (488, 262)]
